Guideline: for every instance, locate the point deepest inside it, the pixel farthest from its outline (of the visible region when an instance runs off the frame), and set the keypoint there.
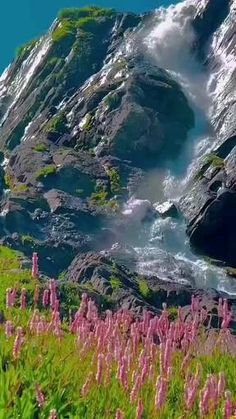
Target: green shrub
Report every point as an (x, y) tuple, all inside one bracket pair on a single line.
[(173, 313), (144, 288), (46, 171)]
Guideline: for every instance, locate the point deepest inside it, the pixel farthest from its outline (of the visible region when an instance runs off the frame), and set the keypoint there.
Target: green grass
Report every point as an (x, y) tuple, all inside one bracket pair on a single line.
[(100, 197), (24, 50), (40, 148), (215, 160), (89, 122), (17, 188), (115, 283), (11, 273), (91, 11), (46, 171), (61, 365), (57, 124), (27, 239), (115, 180), (63, 31)]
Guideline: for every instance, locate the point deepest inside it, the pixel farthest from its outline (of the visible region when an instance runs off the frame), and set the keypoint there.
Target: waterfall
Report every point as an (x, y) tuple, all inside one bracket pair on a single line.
[(169, 44)]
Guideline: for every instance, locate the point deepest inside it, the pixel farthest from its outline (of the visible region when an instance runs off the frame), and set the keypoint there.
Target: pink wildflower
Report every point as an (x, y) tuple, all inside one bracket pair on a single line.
[(35, 268), (53, 414), (161, 392), (9, 329), (53, 294), (36, 295), (39, 396), (45, 298), (23, 299), (228, 405), (100, 368), (139, 410), (221, 385), (120, 414), (18, 342), (85, 388), (10, 297)]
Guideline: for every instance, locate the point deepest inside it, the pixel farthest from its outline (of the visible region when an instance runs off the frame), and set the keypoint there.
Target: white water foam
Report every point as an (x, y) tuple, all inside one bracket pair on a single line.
[(165, 250)]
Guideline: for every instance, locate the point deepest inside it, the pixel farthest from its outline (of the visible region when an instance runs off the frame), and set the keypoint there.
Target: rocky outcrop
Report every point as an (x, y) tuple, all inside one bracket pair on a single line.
[(119, 288), (82, 118)]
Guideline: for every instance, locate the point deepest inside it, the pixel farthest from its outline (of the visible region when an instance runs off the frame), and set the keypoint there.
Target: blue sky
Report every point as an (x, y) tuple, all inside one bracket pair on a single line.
[(22, 20)]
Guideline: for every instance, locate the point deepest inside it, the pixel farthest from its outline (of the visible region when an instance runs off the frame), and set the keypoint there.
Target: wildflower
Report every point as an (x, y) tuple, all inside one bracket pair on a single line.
[(139, 410), (10, 297), (39, 396), (228, 405), (18, 342), (9, 329), (136, 388), (35, 268), (86, 385), (100, 368), (161, 392), (191, 388), (53, 414), (221, 385), (45, 298), (120, 414), (53, 294), (36, 295), (23, 299)]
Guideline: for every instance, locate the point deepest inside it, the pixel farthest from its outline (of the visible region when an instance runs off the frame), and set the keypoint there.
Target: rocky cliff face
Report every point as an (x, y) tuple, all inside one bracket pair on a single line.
[(209, 205), (86, 113)]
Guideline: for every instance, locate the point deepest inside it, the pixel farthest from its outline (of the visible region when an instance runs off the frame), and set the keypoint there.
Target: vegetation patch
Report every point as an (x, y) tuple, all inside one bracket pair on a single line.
[(92, 11), (64, 30), (57, 124), (27, 239), (100, 197), (112, 101), (46, 171), (23, 51), (172, 313), (144, 288), (210, 160), (40, 148), (115, 180), (115, 282), (215, 161)]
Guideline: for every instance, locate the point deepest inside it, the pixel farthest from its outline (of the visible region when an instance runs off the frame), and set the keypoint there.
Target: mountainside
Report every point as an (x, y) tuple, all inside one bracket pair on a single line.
[(95, 106)]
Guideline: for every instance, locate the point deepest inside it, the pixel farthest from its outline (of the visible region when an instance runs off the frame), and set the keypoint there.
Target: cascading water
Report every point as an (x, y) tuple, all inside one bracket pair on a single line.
[(163, 249)]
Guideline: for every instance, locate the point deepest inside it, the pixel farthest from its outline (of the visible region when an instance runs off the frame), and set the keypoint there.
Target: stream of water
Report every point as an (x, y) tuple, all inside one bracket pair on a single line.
[(163, 248)]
